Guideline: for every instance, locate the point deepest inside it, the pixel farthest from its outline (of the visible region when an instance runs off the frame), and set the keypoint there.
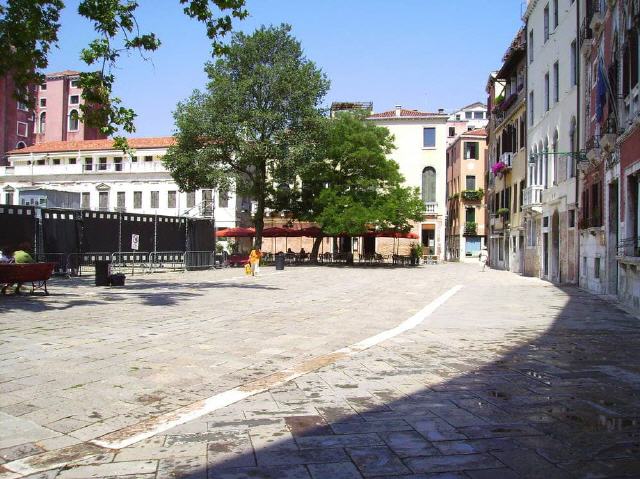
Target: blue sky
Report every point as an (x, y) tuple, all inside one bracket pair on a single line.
[(421, 54)]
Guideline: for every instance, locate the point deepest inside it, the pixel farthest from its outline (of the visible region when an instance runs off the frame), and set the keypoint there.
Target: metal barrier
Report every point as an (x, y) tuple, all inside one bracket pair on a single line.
[(199, 260), (122, 261), (60, 259), (162, 260), (76, 261)]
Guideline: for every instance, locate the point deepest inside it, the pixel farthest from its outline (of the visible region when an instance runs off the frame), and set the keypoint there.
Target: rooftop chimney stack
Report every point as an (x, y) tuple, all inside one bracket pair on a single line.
[(398, 110), (440, 110)]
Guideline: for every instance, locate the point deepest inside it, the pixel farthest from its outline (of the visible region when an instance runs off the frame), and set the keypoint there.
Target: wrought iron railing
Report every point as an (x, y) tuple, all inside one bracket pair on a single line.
[(629, 247)]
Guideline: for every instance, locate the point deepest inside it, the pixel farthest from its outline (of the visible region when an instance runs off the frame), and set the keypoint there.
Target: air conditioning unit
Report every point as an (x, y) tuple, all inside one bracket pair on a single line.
[(507, 159)]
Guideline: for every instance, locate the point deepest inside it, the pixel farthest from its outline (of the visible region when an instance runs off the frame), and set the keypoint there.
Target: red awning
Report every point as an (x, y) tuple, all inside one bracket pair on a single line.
[(278, 232), (391, 234), (310, 232), (236, 233)]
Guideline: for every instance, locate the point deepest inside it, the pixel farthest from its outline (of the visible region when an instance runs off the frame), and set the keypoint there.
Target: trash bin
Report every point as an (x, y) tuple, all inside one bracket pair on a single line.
[(279, 262), (103, 271)]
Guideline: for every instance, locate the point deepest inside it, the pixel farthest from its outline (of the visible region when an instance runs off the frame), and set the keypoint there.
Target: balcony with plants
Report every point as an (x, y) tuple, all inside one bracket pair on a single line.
[(470, 228), (472, 195)]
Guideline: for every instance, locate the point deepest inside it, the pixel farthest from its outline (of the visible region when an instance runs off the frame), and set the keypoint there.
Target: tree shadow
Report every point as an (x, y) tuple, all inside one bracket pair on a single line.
[(562, 404)]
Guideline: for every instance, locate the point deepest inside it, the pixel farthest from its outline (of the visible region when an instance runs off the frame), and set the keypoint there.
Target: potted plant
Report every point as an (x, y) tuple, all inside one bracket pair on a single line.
[(417, 251)]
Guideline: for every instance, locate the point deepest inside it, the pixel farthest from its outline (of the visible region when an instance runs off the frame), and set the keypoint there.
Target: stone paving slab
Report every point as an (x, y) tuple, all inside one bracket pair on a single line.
[(533, 381)]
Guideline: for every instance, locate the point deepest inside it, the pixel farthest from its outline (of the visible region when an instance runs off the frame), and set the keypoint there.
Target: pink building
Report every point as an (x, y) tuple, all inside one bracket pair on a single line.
[(58, 110), (16, 121)]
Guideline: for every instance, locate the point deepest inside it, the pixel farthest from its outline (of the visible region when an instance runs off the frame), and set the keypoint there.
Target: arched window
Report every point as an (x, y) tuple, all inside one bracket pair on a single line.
[(74, 120), (43, 122), (21, 145), (429, 185), (573, 148), (547, 167), (540, 164), (554, 159)]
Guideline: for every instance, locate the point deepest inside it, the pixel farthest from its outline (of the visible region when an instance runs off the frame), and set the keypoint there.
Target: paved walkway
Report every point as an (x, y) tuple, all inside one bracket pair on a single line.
[(302, 374)]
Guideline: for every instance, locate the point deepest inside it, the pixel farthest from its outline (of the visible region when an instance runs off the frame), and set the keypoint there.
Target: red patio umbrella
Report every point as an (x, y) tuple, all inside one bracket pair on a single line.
[(236, 233)]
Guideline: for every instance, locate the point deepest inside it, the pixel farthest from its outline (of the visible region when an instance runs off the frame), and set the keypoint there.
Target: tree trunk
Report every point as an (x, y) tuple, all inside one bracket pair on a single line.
[(261, 193), (316, 247)]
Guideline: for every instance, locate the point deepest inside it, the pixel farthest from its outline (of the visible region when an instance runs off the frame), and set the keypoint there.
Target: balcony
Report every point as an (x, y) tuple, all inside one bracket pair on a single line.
[(470, 228), (532, 196), (472, 195), (609, 132), (595, 14), (586, 34), (430, 207), (592, 146)]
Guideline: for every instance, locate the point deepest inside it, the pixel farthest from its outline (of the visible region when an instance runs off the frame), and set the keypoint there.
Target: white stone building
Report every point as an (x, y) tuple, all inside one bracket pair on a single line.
[(550, 202), (421, 145), (472, 117), (109, 180)]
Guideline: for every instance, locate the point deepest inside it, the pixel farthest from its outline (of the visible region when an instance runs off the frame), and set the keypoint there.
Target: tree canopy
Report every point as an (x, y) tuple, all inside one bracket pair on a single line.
[(253, 122), (29, 29), (349, 185)]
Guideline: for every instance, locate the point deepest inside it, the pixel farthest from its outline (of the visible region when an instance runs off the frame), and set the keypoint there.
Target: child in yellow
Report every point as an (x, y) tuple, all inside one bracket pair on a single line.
[(254, 261)]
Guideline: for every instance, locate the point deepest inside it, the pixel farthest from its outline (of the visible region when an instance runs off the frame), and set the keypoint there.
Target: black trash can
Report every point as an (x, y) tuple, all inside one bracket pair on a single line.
[(279, 262), (103, 271), (117, 279)]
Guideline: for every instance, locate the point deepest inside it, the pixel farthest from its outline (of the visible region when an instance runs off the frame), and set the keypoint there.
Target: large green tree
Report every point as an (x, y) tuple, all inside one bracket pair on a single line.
[(251, 125), (349, 185), (29, 29)]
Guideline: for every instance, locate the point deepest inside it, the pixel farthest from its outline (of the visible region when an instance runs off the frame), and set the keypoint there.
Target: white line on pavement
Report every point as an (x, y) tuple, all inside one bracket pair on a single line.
[(156, 425)]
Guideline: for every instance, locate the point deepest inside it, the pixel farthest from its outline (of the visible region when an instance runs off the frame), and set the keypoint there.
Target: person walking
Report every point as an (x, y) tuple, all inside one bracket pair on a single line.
[(254, 261), (483, 257)]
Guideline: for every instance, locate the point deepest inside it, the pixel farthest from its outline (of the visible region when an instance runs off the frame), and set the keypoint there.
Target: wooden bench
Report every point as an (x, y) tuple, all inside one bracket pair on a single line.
[(35, 273)]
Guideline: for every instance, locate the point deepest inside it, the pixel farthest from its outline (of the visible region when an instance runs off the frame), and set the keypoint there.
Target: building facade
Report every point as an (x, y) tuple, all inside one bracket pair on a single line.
[(16, 121), (421, 143), (108, 180), (466, 228), (507, 161), (551, 200)]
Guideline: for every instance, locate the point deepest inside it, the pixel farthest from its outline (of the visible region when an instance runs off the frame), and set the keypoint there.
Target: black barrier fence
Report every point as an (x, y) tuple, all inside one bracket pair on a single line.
[(76, 238)]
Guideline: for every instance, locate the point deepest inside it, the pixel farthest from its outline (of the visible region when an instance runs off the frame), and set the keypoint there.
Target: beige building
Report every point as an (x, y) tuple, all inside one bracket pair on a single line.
[(466, 228), (507, 160), (421, 144)]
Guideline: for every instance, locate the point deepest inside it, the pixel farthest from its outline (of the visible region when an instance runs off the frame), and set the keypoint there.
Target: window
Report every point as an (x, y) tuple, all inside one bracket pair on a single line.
[(574, 64), (468, 115), (207, 202), (72, 161), (20, 145), (43, 122), (573, 142), (191, 199), (530, 105), (530, 46), (554, 148), (8, 196), (478, 115), (429, 185), (88, 164), (546, 23), (74, 83), (546, 91), (120, 200), (22, 129), (56, 161), (43, 102), (134, 159), (471, 182), (470, 215), (572, 219), (84, 201), (43, 87), (103, 200), (171, 199), (137, 199), (630, 63), (452, 131), (429, 138), (148, 158), (596, 268), (40, 162), (117, 163), (22, 106), (223, 199), (458, 117), (471, 150), (555, 14), (102, 164), (556, 82), (155, 199), (74, 99), (74, 120)]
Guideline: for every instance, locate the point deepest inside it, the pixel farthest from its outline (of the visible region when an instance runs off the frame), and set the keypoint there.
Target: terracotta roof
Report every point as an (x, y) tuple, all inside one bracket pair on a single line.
[(404, 113), (62, 73), (93, 145), (478, 132)]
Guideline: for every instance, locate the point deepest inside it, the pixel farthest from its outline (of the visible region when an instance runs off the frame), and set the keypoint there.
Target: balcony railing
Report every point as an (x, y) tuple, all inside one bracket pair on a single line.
[(472, 195), (585, 33), (430, 207), (532, 196), (470, 228)]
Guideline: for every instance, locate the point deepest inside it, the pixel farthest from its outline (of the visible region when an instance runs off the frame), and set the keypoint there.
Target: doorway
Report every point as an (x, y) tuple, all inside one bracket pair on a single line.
[(555, 247), (429, 239), (369, 245), (545, 255), (613, 239)]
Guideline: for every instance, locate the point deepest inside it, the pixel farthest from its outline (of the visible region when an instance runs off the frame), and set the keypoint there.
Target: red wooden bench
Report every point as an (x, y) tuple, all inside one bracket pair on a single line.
[(35, 273)]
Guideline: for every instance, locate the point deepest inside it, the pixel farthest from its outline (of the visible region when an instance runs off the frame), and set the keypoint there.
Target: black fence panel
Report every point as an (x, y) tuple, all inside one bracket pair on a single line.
[(141, 225), (17, 225), (99, 231), (200, 234), (170, 233), (61, 231)]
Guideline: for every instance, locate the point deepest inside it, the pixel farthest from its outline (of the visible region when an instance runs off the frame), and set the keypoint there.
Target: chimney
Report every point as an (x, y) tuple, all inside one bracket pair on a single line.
[(441, 110), (398, 110)]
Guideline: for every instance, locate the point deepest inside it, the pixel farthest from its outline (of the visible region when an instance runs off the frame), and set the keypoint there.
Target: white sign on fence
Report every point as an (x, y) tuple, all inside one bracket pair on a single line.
[(135, 242)]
